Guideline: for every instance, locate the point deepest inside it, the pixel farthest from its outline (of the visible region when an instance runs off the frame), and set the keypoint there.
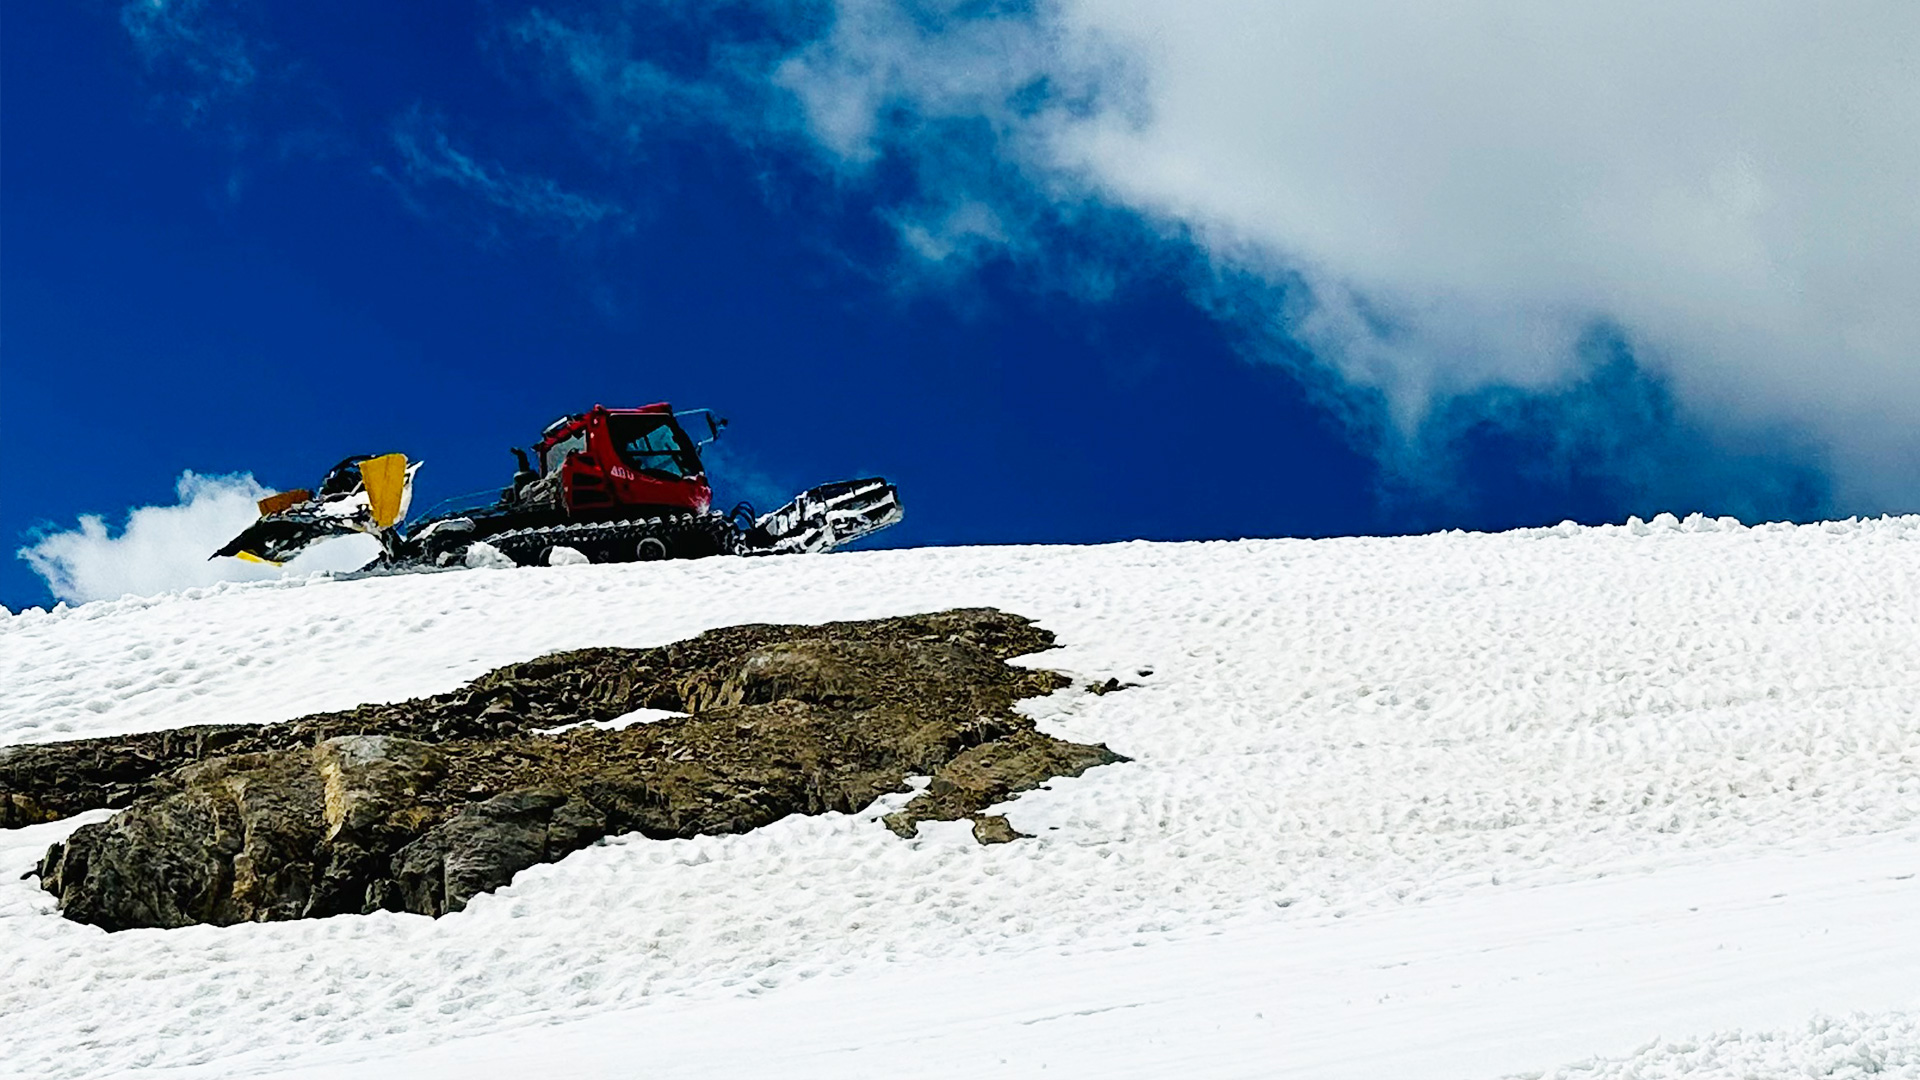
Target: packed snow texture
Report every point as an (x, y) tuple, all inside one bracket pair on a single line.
[(1561, 799)]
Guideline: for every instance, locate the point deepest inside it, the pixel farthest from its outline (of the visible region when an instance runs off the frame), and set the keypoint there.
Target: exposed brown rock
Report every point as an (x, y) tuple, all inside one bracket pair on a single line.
[(422, 805), (229, 840), (480, 848), (989, 773), (994, 829)]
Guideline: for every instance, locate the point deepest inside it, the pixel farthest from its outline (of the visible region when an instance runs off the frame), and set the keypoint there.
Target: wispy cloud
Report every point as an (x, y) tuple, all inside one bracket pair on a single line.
[(196, 49), (163, 548), (954, 99), (428, 159), (208, 61), (629, 94)]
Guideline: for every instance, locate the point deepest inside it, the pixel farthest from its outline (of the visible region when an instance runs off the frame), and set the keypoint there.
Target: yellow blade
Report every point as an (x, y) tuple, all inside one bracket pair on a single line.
[(251, 557), (385, 478)]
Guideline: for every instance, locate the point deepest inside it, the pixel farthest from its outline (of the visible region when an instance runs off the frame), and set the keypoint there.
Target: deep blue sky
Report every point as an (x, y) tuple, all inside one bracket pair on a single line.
[(222, 274)]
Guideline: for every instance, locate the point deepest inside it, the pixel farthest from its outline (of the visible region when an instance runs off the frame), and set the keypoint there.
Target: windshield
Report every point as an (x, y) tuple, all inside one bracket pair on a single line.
[(653, 444)]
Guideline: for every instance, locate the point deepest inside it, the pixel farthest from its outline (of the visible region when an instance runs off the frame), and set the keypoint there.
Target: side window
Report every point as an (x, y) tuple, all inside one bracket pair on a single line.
[(655, 451), (556, 454)]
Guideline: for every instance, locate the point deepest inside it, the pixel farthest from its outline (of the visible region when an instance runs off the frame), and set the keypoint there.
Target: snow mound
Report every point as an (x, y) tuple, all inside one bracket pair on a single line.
[(561, 555), (484, 556), (1842, 1048)]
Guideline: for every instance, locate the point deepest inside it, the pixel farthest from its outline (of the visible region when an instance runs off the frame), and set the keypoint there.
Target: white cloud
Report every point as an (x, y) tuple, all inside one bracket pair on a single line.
[(1733, 185), (1466, 190), (163, 548)]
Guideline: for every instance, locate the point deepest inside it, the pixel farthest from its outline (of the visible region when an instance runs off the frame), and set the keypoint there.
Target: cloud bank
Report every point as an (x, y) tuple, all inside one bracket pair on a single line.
[(163, 548), (1432, 202)]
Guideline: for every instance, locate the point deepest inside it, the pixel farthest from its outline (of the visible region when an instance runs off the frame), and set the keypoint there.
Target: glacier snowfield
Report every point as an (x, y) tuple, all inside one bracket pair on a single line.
[(1632, 801)]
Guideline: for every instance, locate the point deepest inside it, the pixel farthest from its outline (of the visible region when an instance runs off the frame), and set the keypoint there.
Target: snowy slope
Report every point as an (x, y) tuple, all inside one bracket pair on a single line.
[(1456, 805)]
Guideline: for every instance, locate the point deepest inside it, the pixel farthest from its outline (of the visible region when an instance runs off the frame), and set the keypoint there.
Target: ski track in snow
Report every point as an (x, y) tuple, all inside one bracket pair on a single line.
[(1332, 731)]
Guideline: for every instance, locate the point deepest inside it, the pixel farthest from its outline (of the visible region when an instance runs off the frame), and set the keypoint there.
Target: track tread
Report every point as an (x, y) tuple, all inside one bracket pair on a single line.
[(687, 536)]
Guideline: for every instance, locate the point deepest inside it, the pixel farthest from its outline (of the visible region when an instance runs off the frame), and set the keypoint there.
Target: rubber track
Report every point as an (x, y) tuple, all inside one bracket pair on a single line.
[(687, 536)]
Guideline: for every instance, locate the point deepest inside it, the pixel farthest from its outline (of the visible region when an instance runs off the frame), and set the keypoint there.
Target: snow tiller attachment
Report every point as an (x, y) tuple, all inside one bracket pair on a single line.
[(363, 494), (613, 485)]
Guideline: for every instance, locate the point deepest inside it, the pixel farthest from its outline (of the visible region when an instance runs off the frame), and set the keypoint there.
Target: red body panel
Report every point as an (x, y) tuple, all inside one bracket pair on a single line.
[(596, 483)]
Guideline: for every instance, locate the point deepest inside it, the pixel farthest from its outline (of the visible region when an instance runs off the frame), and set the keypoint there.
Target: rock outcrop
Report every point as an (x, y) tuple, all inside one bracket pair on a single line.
[(422, 805)]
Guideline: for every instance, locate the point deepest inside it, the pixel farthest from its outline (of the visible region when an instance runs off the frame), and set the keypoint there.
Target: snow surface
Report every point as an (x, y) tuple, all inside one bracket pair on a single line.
[(1636, 801)]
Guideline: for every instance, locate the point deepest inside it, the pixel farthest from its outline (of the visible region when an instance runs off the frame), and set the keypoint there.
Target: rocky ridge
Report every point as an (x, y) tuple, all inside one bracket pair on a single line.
[(421, 805)]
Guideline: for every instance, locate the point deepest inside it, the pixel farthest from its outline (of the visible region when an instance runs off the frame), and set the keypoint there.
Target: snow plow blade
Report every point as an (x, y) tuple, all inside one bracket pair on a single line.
[(363, 494), (274, 540), (826, 517)]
